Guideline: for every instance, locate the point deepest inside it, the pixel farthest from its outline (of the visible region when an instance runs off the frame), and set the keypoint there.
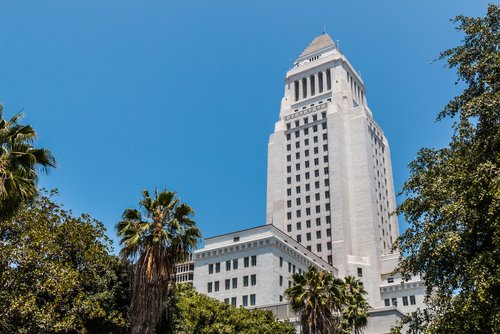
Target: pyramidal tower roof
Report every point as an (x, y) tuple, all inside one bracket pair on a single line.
[(322, 41)]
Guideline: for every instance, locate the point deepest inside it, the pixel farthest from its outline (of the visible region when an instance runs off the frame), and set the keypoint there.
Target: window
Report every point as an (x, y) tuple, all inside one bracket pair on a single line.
[(318, 209), (394, 301), (316, 185), (316, 150), (325, 158), (235, 283), (323, 125), (288, 204), (306, 153), (315, 128), (329, 245), (297, 166), (254, 260), (329, 232), (308, 248), (226, 300), (235, 264), (289, 267), (316, 161), (318, 221), (306, 164), (211, 268), (315, 139), (289, 215), (297, 123), (299, 238), (288, 158), (316, 173), (245, 301), (297, 155), (318, 234), (289, 228), (288, 126), (308, 236), (288, 147), (313, 86), (289, 192), (387, 302), (328, 219), (306, 131), (297, 134), (297, 178), (228, 284), (209, 287), (307, 175), (330, 261), (252, 299), (246, 261), (328, 80), (299, 226), (297, 145), (233, 301), (326, 171), (253, 279), (327, 194), (293, 269), (216, 286), (281, 262), (405, 301), (288, 136), (316, 196), (297, 189), (308, 187), (281, 298), (390, 280), (308, 199), (327, 182), (217, 267), (412, 300), (298, 213), (327, 206), (308, 211), (306, 142), (228, 265), (245, 280), (308, 223), (360, 272), (288, 169), (315, 118), (318, 247)]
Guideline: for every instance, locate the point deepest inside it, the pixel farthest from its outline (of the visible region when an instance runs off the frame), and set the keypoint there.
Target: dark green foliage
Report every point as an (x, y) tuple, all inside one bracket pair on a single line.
[(19, 164), (326, 304), (453, 195), (201, 314), (56, 273)]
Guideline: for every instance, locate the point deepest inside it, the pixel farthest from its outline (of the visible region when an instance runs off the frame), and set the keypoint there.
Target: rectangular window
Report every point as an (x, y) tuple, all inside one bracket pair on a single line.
[(315, 128), (289, 228), (308, 187), (288, 215), (306, 153), (325, 158), (329, 245), (308, 211), (412, 300), (405, 301), (245, 300), (390, 280), (245, 280), (387, 302), (316, 185), (318, 247), (360, 272), (299, 238), (329, 232), (318, 234), (299, 226), (246, 262), (316, 196), (308, 199), (211, 268), (318, 221), (308, 236), (315, 139), (216, 286), (235, 283), (307, 176), (228, 284), (288, 158), (306, 142), (289, 192), (394, 301), (209, 287), (281, 262), (297, 178), (253, 279), (316, 161), (228, 265), (316, 172), (318, 209), (252, 299), (306, 164), (308, 223), (289, 180), (306, 131), (289, 267), (298, 213), (325, 136), (235, 264), (217, 267), (327, 206), (327, 194), (297, 166), (254, 260), (233, 301), (226, 300)]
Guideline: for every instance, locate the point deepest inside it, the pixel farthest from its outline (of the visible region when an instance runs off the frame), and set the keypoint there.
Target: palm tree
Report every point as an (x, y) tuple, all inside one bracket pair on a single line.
[(19, 164), (355, 310), (155, 241), (316, 297)]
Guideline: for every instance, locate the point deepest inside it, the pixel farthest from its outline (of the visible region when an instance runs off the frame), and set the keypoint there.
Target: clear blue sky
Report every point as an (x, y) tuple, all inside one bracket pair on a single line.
[(184, 94)]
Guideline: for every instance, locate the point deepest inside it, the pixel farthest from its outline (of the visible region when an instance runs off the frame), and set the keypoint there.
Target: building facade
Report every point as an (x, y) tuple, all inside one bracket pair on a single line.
[(330, 196), (253, 267), (330, 183)]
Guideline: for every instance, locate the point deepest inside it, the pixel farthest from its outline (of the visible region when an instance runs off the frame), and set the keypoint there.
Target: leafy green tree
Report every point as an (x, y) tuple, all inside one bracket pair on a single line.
[(200, 314), (453, 195), (19, 164), (327, 305), (155, 240), (56, 273), (355, 309)]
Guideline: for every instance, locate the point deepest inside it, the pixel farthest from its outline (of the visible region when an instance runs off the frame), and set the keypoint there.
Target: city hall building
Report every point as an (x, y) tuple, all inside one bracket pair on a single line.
[(330, 196)]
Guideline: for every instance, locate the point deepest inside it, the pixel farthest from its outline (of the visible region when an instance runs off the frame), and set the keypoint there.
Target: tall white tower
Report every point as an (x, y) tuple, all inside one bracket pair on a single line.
[(330, 184)]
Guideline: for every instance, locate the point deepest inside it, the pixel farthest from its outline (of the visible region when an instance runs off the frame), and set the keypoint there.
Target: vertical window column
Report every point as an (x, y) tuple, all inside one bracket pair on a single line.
[(304, 88), (321, 82), (312, 84), (296, 90), (328, 79)]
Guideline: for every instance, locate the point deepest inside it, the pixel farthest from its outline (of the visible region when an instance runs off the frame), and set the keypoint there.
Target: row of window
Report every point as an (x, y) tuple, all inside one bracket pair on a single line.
[(315, 128), (244, 300), (306, 142), (232, 283), (394, 301), (305, 120), (298, 213), (307, 164), (318, 236), (298, 200), (246, 263), (306, 153)]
